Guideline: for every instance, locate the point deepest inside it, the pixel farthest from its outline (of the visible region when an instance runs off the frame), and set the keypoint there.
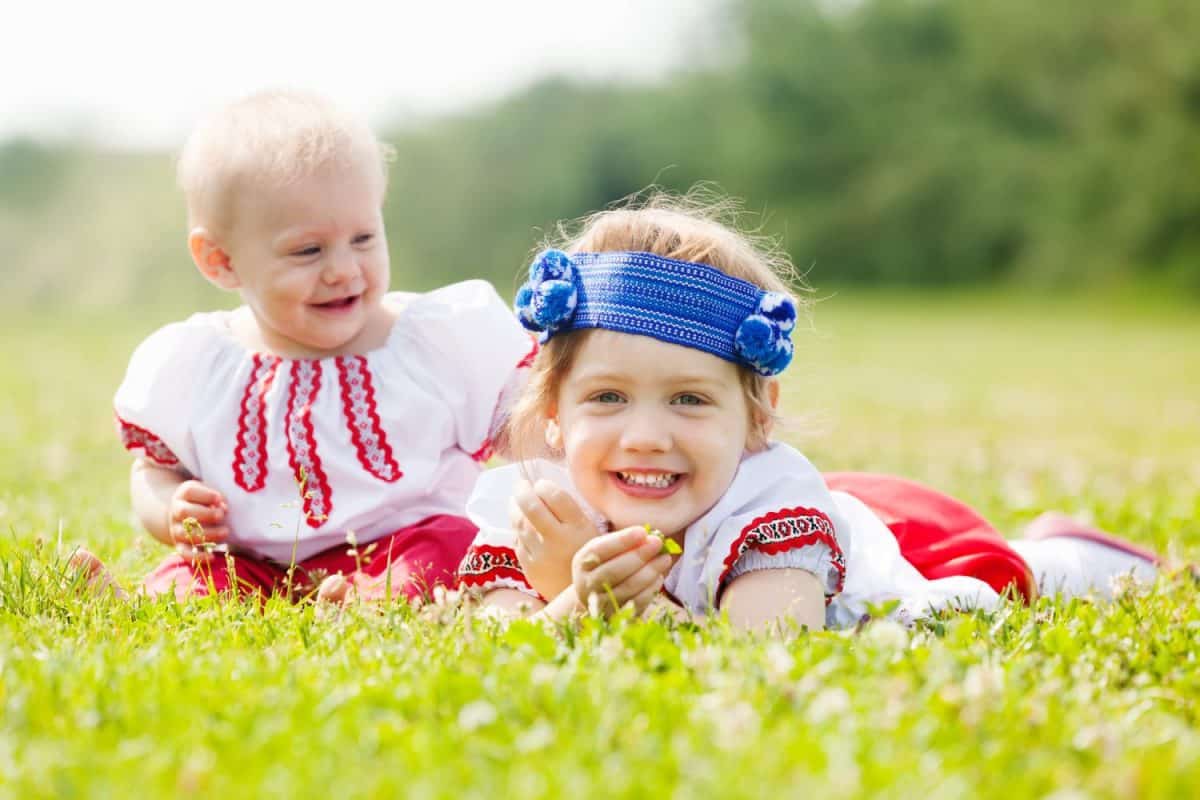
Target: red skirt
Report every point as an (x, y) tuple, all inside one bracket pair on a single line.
[(940, 536)]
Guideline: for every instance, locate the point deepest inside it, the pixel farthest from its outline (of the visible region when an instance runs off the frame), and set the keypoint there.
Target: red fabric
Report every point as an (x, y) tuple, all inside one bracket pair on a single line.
[(416, 558), (939, 535)]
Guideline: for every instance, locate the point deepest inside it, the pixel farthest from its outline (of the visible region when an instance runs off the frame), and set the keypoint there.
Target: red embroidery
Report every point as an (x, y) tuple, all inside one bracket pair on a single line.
[(485, 565), (485, 452), (527, 361), (366, 431), (784, 530), (153, 448), (302, 445), (250, 450)]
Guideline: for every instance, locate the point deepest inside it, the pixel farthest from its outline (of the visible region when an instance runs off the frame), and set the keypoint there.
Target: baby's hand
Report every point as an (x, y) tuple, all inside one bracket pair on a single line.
[(550, 528), (616, 569), (196, 520)]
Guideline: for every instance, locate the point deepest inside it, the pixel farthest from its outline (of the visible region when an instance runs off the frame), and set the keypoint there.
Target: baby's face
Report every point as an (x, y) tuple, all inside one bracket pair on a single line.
[(312, 260), (652, 432)]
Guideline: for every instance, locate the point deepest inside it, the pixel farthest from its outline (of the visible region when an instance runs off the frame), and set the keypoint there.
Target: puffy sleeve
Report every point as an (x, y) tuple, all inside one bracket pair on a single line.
[(783, 517), (153, 404), (491, 560), (480, 356)]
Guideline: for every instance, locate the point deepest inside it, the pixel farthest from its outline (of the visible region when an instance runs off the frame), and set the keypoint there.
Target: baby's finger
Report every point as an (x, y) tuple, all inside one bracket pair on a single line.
[(205, 515), (198, 534), (193, 555), (560, 503), (196, 492)]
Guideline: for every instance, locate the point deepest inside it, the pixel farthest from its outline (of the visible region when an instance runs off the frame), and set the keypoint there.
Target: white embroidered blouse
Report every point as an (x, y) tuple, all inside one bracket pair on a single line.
[(382, 440), (777, 513)]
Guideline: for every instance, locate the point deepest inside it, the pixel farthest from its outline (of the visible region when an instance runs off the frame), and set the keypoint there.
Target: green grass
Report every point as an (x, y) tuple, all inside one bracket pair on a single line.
[(1012, 404)]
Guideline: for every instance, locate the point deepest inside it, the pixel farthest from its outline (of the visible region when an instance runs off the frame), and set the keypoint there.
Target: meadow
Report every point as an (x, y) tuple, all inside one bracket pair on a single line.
[(1017, 404)]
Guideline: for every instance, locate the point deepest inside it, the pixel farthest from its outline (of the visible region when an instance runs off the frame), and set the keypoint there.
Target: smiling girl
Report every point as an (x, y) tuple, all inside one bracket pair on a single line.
[(655, 392)]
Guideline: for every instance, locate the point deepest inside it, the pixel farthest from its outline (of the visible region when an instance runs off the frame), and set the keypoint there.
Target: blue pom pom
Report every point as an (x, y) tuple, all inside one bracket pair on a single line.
[(779, 308), (755, 339), (779, 361), (553, 303), (523, 307), (552, 265)]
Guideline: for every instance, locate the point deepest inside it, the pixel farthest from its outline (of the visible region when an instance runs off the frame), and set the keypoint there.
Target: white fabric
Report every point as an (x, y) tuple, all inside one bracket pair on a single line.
[(1074, 567), (438, 385), (772, 482)]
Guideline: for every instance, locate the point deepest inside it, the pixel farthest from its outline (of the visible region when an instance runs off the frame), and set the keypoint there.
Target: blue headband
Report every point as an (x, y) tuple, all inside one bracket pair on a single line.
[(678, 302)]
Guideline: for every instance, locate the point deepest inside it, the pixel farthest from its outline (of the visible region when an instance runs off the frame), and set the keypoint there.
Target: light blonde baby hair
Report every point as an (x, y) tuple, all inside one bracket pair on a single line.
[(700, 226), (268, 138)]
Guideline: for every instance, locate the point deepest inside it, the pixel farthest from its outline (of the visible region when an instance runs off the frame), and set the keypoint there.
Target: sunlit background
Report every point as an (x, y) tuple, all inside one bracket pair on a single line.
[(954, 142)]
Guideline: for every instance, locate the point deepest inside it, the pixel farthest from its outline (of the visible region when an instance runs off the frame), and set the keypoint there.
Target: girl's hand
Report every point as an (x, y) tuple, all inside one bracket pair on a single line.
[(550, 528), (619, 568), (196, 520)]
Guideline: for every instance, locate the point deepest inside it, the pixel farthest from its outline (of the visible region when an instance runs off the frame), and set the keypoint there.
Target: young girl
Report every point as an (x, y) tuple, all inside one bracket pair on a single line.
[(655, 390), (325, 424)]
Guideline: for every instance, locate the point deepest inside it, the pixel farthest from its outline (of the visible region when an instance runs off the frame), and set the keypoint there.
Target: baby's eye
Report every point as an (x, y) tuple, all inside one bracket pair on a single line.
[(688, 400), (606, 397)]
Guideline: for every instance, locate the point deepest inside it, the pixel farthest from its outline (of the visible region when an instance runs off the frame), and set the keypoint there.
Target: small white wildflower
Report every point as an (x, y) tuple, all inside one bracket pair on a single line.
[(779, 661), (475, 715), (887, 634), (829, 704), (541, 674), (351, 539), (539, 736), (739, 725), (982, 680)]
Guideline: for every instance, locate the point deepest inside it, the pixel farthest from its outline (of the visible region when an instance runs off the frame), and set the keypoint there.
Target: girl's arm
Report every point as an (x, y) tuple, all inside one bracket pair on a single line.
[(512, 603), (163, 498), (757, 599)]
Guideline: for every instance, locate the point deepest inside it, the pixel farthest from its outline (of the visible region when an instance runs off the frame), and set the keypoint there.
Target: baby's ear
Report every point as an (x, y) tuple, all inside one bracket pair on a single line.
[(211, 259)]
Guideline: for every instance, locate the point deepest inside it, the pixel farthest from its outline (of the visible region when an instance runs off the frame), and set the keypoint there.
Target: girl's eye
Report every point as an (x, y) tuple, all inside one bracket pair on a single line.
[(689, 400), (363, 238), (305, 252), (606, 397)]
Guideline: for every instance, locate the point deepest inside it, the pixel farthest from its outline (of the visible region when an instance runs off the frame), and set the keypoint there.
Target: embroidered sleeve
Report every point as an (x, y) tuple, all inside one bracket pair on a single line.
[(791, 538), (487, 567), (478, 355), (154, 403), (144, 443)]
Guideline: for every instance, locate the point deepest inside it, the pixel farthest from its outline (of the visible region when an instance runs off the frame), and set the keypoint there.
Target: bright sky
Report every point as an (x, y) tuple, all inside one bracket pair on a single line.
[(131, 73)]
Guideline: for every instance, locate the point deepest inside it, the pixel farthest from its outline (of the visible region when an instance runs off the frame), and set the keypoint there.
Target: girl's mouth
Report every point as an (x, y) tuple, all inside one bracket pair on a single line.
[(647, 484)]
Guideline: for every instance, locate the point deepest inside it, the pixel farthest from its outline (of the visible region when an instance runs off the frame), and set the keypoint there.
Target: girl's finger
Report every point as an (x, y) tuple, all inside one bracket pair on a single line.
[(608, 545), (617, 570), (647, 595), (535, 510), (205, 515), (529, 540), (560, 503)]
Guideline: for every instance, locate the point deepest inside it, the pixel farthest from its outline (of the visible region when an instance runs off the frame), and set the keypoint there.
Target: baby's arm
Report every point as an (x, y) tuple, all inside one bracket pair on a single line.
[(757, 599), (163, 498)]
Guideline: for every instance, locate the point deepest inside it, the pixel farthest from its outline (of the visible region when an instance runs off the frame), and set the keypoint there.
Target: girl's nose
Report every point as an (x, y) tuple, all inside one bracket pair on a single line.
[(646, 432)]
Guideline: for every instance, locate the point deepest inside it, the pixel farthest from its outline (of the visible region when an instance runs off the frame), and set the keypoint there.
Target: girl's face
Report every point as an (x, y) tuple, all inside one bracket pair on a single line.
[(652, 432), (311, 260)]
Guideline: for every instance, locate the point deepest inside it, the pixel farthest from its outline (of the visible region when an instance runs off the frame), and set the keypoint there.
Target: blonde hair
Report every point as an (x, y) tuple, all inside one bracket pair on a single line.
[(701, 227), (269, 138)]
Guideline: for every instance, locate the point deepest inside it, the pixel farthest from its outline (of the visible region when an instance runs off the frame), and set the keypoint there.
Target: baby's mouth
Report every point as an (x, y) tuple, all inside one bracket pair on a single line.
[(649, 480), (340, 304)]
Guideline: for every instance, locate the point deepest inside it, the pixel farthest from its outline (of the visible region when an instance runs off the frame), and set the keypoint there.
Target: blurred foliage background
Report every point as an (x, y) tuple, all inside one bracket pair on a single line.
[(900, 142)]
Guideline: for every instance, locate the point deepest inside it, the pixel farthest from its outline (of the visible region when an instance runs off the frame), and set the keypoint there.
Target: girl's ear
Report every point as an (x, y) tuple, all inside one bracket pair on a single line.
[(760, 434), (554, 437), (211, 259)]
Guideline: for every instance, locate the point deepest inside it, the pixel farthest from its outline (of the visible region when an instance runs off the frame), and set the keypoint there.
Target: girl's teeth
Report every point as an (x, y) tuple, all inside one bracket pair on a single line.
[(659, 481)]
